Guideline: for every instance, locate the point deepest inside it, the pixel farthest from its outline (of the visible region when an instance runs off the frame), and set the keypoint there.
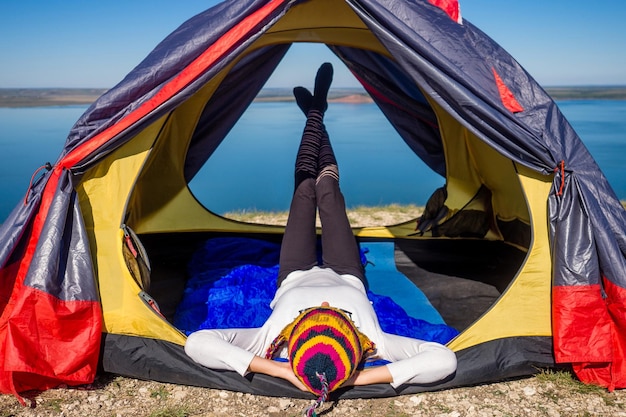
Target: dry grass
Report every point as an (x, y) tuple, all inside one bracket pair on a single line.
[(360, 216)]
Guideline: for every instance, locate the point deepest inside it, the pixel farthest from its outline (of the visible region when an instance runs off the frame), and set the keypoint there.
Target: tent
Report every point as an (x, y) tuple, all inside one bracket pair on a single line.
[(550, 235)]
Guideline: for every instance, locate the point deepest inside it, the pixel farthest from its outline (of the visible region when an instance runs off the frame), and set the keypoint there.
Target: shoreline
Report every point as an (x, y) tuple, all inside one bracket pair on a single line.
[(48, 97)]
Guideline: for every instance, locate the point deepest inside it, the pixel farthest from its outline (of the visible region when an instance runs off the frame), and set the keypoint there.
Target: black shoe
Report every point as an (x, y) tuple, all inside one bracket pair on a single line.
[(323, 79), (304, 99)]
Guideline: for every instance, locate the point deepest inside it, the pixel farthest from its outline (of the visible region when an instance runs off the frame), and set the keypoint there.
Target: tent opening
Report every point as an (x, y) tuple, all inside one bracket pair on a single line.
[(257, 155)]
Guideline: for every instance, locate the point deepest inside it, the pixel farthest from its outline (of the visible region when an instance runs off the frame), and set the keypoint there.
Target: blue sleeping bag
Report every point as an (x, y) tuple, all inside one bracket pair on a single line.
[(233, 280)]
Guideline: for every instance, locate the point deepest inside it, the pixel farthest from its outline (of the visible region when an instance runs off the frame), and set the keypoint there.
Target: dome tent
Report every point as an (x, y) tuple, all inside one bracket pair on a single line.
[(70, 304)]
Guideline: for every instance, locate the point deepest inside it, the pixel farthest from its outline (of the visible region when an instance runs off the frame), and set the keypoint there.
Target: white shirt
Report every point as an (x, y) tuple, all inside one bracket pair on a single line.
[(413, 360)]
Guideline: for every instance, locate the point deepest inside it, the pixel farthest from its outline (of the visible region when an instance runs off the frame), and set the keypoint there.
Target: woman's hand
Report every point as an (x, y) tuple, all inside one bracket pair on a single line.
[(276, 369), (287, 374)]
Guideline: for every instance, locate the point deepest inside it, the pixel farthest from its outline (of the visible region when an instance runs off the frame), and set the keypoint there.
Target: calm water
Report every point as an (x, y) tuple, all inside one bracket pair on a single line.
[(255, 165)]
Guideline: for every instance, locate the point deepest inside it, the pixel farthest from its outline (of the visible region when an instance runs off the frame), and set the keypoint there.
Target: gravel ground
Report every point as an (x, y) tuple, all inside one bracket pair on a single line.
[(547, 394)]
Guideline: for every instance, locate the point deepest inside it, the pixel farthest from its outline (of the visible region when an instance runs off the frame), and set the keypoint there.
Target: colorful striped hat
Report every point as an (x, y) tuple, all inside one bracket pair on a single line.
[(324, 348)]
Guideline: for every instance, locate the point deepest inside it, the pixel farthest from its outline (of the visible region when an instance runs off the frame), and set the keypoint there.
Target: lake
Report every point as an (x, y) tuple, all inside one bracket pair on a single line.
[(255, 164)]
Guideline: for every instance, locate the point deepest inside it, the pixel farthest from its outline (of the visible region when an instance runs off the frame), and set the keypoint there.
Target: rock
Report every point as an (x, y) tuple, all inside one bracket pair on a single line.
[(415, 400), (179, 395), (285, 403)]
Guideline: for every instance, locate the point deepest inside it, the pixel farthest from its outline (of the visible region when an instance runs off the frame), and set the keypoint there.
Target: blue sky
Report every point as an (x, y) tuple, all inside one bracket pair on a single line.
[(75, 43)]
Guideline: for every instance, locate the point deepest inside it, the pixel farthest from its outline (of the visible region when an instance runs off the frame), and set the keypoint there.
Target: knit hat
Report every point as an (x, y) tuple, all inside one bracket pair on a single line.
[(324, 348)]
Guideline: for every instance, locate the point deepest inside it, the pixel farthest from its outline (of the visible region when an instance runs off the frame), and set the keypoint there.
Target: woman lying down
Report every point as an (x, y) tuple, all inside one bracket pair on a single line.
[(322, 324)]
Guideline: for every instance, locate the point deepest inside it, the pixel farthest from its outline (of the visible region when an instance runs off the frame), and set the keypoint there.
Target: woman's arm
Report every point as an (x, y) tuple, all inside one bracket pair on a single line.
[(415, 361), (226, 349), (376, 375), (216, 349), (276, 369)]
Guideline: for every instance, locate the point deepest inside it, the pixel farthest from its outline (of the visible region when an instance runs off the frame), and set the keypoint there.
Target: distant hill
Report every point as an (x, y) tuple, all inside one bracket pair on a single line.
[(336, 95), (41, 97), (588, 93)]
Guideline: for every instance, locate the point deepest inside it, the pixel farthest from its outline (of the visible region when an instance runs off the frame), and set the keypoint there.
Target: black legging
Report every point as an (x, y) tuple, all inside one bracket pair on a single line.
[(340, 250)]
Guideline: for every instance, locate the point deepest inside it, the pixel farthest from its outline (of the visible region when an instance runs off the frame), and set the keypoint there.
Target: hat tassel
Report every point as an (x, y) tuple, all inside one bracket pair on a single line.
[(310, 412)]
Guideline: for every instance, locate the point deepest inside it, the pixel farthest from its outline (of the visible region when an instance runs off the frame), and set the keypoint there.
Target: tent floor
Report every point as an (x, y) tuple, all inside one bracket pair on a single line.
[(461, 278)]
